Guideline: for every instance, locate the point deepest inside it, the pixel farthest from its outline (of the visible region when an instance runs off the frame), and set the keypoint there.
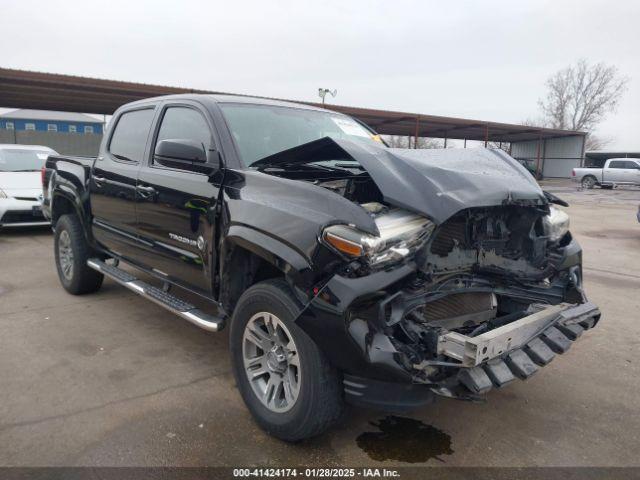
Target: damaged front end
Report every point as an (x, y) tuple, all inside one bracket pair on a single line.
[(491, 295), (471, 280)]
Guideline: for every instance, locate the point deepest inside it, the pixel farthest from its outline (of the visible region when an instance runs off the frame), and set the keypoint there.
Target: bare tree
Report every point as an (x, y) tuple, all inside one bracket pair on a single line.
[(499, 145), (596, 142), (397, 141), (580, 96), (401, 141), (533, 122)]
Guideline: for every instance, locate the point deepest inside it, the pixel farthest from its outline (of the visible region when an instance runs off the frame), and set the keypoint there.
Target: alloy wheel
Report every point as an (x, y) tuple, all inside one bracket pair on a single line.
[(588, 182), (65, 255), (271, 362)]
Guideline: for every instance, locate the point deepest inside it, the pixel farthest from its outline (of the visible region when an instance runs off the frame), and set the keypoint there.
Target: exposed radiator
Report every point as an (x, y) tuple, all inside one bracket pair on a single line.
[(460, 309)]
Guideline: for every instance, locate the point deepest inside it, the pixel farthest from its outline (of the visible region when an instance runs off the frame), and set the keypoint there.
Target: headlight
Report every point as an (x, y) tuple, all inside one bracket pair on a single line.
[(401, 234), (2, 194), (556, 224)]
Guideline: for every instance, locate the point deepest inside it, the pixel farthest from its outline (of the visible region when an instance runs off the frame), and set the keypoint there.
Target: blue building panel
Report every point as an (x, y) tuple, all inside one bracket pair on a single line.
[(43, 125)]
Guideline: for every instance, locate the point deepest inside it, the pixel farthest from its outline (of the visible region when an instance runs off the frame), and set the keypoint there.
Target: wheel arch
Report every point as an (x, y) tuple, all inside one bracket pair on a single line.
[(63, 202), (248, 256)]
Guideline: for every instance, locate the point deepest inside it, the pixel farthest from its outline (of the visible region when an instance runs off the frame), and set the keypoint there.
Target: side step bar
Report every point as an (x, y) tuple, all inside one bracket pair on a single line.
[(170, 302)]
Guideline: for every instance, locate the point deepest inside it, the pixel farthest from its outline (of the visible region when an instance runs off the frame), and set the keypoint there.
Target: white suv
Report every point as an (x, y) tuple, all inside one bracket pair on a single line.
[(21, 185)]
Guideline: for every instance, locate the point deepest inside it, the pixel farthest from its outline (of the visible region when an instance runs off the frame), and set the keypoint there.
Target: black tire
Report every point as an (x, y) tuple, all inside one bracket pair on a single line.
[(79, 278), (319, 400), (589, 181)]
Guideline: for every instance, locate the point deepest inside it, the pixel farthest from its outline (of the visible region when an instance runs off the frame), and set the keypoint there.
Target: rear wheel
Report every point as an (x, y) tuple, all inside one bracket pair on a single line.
[(72, 252), (284, 379), (589, 182)]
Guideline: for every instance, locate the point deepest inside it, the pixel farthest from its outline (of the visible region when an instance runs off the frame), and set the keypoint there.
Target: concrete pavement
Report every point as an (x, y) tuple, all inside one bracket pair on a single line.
[(112, 379)]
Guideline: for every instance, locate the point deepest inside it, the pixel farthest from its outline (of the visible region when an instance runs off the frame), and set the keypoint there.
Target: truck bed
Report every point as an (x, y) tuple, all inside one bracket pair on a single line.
[(74, 171), (85, 161)]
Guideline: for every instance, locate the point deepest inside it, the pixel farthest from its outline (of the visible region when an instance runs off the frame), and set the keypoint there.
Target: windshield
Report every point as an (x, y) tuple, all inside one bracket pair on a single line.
[(17, 160), (262, 130)]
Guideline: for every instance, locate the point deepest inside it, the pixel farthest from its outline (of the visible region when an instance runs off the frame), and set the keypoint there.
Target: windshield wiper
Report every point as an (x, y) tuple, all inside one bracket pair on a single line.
[(350, 165), (27, 170)]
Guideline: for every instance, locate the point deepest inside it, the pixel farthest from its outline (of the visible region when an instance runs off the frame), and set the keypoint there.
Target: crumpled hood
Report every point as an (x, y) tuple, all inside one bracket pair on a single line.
[(440, 183), (435, 183)]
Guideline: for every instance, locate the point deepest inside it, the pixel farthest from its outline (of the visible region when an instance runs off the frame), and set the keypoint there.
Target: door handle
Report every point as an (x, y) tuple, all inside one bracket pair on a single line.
[(146, 192), (98, 180)]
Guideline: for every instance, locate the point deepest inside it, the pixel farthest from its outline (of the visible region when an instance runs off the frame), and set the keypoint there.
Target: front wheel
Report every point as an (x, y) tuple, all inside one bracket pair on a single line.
[(72, 252), (287, 384)]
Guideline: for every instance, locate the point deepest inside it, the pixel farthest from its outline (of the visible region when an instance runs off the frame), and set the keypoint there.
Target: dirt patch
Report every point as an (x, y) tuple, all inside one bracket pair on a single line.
[(86, 349), (5, 289), (612, 280), (120, 375), (624, 234)]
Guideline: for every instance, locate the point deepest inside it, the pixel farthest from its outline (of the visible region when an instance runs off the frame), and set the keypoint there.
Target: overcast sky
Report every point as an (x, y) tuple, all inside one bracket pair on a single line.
[(485, 60)]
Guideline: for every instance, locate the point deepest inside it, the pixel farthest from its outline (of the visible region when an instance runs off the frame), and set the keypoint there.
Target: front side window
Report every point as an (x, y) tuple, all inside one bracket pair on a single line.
[(185, 124), (631, 165), (129, 137), (52, 127), (18, 160), (263, 130), (29, 126)]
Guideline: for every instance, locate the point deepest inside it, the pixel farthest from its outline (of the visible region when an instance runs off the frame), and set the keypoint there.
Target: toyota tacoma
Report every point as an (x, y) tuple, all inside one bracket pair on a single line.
[(347, 271)]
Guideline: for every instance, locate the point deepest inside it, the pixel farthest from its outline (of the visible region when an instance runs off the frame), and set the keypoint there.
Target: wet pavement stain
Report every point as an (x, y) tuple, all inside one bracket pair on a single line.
[(614, 234), (405, 440)]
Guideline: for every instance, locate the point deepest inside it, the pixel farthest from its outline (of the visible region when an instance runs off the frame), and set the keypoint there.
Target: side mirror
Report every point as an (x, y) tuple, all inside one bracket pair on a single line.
[(186, 154), (181, 150)]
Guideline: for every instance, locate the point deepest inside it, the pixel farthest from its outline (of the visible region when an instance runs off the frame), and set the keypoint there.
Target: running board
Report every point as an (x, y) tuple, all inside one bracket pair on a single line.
[(164, 299)]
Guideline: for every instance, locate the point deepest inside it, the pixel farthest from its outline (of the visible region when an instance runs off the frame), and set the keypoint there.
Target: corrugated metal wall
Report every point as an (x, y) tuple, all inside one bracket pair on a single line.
[(63, 143), (558, 156), (43, 125), (524, 150)]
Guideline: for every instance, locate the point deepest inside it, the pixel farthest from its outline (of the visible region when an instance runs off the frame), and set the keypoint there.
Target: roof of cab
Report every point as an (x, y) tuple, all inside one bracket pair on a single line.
[(215, 98)]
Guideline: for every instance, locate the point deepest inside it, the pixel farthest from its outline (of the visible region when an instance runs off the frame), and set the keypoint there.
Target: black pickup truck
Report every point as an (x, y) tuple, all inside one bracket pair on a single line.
[(348, 272)]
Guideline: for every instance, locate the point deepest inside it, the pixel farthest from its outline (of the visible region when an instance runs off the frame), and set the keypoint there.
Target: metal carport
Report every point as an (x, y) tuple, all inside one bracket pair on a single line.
[(552, 152)]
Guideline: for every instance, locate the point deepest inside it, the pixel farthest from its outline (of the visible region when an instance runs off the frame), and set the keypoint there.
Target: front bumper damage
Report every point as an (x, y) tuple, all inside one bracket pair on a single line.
[(518, 349), (379, 373)]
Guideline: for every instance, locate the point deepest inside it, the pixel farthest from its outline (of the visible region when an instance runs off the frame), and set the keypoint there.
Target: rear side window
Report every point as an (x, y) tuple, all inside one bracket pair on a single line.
[(129, 138), (185, 124), (619, 164)]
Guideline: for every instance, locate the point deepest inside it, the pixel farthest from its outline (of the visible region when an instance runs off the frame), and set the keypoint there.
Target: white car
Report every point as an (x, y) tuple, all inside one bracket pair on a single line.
[(21, 184)]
